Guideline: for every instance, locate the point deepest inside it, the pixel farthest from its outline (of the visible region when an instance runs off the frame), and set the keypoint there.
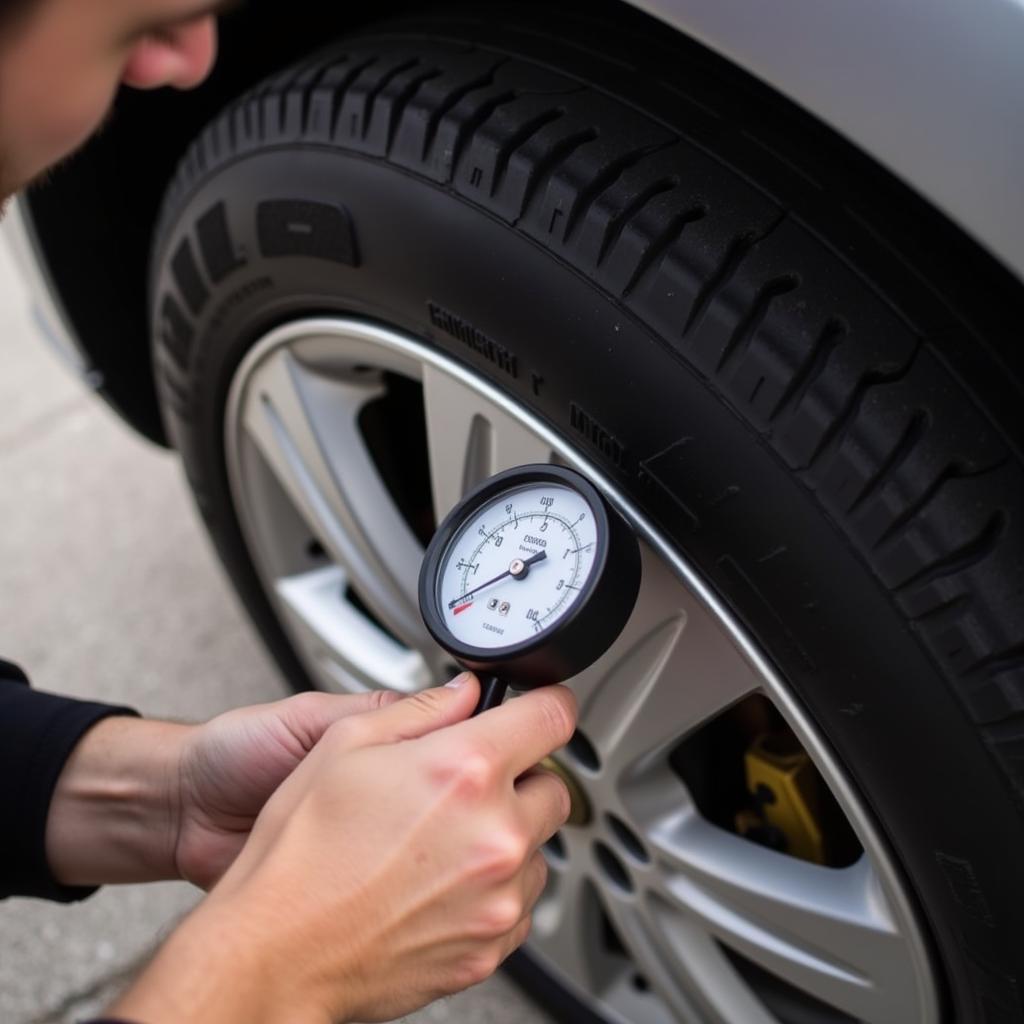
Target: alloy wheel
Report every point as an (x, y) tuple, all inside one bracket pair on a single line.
[(654, 912)]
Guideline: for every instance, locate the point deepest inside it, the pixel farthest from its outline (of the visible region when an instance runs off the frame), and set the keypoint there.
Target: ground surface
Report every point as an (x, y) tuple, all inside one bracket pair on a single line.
[(108, 589)]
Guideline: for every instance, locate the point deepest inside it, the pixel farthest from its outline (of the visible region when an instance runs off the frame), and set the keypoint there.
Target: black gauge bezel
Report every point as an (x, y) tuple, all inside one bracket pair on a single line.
[(586, 630)]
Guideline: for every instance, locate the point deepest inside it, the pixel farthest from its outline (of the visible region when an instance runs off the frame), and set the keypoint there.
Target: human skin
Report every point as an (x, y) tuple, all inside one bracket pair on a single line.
[(399, 862), (365, 854), (61, 62), (143, 800)]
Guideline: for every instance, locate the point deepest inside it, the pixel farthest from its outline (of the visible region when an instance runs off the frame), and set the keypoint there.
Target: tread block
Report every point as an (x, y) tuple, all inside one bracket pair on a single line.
[(355, 111), (292, 111), (458, 75), (951, 544), (575, 183), (247, 124), (460, 123), (880, 475), (176, 332), (495, 143), (529, 162), (389, 104), (189, 281), (321, 111), (215, 243), (815, 344), (667, 289)]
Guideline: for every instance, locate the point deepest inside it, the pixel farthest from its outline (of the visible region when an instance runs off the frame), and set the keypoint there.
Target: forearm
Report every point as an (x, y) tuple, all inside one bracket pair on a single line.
[(113, 813), (221, 967)]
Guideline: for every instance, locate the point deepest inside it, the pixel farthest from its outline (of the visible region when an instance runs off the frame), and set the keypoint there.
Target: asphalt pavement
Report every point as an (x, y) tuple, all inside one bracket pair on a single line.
[(109, 589)]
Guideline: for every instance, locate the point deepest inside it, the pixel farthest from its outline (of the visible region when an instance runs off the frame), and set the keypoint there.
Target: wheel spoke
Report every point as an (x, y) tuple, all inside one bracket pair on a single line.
[(349, 652), (469, 439), (826, 931), (701, 968), (306, 427), (567, 928), (665, 973), (669, 671)]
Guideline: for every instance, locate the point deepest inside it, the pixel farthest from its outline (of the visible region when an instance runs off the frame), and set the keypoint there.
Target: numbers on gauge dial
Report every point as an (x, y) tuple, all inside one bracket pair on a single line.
[(517, 565)]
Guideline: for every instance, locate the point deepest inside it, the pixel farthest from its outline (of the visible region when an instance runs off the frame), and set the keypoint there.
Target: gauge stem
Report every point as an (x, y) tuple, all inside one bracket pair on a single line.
[(492, 693)]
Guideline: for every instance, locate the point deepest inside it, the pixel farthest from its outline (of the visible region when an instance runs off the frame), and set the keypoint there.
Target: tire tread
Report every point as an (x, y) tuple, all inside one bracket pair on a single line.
[(831, 377)]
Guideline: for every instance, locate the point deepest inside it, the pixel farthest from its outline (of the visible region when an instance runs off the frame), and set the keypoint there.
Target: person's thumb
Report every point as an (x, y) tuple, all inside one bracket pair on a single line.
[(423, 712)]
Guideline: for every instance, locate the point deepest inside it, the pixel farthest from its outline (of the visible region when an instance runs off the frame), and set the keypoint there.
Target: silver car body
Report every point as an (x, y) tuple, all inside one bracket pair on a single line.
[(932, 89)]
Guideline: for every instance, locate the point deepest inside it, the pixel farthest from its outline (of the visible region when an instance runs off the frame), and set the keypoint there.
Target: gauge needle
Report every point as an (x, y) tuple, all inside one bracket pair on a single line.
[(517, 569)]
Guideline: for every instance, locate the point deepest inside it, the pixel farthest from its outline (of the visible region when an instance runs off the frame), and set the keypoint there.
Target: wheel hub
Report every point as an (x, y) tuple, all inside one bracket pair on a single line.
[(580, 814)]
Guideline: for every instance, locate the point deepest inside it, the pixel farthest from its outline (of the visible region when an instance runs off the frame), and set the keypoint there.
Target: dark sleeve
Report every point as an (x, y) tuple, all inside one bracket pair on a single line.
[(37, 733)]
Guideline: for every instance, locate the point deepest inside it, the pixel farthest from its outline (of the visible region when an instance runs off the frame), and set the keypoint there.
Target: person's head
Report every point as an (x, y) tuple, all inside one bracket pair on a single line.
[(62, 60)]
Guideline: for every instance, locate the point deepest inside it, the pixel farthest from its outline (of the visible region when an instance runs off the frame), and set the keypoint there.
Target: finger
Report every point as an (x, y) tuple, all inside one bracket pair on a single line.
[(420, 713), (534, 880), (309, 715), (528, 728), (544, 803), (517, 937)]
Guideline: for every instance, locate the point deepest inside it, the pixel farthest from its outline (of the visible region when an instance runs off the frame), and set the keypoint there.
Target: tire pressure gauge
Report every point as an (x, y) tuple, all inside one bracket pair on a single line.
[(529, 579)]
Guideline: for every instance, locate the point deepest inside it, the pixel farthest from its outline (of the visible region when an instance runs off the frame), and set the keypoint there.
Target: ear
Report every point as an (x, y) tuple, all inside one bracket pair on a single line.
[(180, 56)]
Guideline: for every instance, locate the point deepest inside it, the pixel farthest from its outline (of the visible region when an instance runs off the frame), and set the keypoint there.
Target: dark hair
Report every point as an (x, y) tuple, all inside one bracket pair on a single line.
[(11, 12)]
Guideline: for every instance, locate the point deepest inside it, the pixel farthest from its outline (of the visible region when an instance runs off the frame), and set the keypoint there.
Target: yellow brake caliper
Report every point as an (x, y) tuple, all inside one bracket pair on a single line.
[(786, 790)]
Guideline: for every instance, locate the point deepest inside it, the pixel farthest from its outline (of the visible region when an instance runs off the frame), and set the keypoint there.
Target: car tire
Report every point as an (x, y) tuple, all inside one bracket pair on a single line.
[(609, 241)]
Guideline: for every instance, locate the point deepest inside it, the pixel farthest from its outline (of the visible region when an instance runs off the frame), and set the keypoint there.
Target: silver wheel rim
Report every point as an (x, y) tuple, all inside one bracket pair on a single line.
[(678, 890)]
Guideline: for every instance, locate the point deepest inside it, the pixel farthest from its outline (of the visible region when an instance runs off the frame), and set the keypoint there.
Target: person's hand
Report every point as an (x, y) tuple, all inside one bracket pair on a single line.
[(229, 767), (140, 800), (398, 862)]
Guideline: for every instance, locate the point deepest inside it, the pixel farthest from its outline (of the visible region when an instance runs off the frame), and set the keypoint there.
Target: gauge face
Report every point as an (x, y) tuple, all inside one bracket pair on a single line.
[(516, 565)]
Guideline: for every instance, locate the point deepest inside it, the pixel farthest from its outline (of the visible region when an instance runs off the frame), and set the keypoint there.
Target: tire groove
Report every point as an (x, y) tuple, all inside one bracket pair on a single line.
[(739, 340), (519, 138), (912, 434), (655, 252), (940, 610), (621, 220), (953, 471), (831, 336), (282, 91), (311, 87), (464, 132), (734, 254), (446, 105), (342, 87), (967, 555), (401, 101), (1007, 659), (370, 99), (551, 161), (839, 429), (604, 180)]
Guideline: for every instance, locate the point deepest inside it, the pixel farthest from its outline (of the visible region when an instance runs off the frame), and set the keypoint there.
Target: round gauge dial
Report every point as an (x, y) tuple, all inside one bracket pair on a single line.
[(530, 577), (517, 564)]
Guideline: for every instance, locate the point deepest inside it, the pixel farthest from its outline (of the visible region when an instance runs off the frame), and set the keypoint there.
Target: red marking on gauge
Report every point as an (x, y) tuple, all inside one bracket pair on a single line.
[(462, 607)]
